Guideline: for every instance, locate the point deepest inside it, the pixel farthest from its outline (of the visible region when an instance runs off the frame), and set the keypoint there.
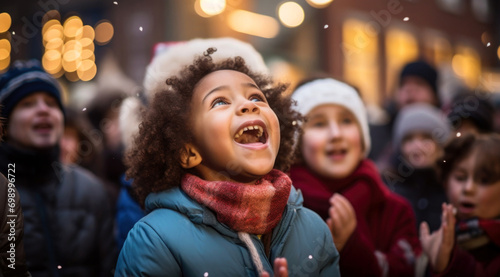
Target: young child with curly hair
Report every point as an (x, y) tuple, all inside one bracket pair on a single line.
[(207, 165), (468, 241), (373, 228)]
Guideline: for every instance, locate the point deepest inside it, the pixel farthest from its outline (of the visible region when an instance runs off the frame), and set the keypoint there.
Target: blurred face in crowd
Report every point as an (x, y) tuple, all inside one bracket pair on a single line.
[(472, 194), (332, 141), (414, 89), (420, 150), (35, 122)]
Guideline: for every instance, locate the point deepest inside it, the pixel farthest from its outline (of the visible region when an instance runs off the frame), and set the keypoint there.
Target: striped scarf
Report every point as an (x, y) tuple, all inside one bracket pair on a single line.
[(254, 209)]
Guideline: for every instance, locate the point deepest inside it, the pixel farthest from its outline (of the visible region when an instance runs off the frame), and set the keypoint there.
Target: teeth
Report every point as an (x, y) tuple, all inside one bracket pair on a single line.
[(256, 127)]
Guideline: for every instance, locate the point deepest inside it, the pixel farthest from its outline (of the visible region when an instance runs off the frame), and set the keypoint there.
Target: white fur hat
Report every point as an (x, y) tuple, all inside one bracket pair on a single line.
[(330, 91), (170, 62)]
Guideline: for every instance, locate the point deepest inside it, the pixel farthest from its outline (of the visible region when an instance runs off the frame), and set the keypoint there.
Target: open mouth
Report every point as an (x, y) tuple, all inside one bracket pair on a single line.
[(337, 152), (251, 134), (467, 205), (42, 127)]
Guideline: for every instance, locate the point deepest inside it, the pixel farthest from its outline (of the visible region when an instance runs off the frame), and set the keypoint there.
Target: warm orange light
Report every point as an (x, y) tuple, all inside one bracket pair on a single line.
[(5, 22), (198, 10), (212, 7), (253, 24), (51, 61), (5, 49), (319, 3), (71, 26), (87, 70), (291, 14), (104, 32), (4, 63)]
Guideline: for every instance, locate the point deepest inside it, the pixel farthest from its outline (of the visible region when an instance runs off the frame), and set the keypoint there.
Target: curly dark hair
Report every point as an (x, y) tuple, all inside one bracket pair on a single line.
[(486, 147), (154, 160)]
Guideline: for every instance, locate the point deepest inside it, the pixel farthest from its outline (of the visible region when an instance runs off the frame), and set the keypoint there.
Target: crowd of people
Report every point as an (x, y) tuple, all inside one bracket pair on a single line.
[(216, 169)]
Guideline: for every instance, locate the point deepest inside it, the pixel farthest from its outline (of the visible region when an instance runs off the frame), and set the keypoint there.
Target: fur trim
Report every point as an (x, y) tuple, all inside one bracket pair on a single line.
[(178, 56), (170, 62), (129, 119)]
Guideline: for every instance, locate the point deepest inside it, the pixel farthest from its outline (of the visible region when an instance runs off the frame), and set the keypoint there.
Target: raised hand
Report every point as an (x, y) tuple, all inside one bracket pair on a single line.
[(342, 220), (438, 245), (280, 268)]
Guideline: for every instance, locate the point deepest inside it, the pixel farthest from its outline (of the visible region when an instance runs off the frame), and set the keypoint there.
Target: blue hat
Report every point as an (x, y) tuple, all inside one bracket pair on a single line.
[(22, 79)]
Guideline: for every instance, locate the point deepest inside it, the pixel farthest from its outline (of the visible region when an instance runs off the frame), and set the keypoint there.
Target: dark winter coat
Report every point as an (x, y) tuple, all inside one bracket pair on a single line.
[(68, 225)]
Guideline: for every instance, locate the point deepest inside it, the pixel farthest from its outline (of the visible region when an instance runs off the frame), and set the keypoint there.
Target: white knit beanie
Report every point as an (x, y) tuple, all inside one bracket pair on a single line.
[(171, 62), (330, 91)]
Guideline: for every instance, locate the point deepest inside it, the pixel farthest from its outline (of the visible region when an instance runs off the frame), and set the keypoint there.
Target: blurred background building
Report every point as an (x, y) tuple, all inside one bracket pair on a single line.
[(90, 44)]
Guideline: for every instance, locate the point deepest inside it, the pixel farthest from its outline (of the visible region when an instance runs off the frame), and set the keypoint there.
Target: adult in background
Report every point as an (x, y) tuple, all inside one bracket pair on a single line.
[(417, 84), (68, 226)]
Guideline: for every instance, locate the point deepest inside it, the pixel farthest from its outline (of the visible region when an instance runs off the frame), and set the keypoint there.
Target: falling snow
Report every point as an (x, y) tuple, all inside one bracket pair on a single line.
[(326, 26), (116, 3), (488, 44), (458, 134), (140, 28), (84, 109), (310, 257), (406, 18), (206, 274)]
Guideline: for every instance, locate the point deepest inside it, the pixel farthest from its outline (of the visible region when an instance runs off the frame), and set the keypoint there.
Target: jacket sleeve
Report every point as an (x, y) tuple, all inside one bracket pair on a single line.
[(144, 253), (463, 264), (395, 258)]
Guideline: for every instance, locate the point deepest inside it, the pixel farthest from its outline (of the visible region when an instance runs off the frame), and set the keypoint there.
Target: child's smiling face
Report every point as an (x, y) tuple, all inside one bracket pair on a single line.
[(236, 133), (332, 141)]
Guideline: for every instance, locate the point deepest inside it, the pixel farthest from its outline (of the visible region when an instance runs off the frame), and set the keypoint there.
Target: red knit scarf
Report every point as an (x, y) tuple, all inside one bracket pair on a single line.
[(254, 209)]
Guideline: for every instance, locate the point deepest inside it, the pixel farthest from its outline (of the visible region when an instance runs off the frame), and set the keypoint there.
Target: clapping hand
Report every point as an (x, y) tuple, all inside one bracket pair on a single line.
[(342, 220), (438, 245)]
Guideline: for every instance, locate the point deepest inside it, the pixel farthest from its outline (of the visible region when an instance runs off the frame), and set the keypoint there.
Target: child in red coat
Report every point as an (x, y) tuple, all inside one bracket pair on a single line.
[(373, 228), (468, 241)]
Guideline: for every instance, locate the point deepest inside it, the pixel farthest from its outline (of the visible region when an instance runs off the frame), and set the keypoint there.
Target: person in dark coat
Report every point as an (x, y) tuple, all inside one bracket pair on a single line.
[(68, 226), (373, 228), (418, 83), (420, 132), (12, 256)]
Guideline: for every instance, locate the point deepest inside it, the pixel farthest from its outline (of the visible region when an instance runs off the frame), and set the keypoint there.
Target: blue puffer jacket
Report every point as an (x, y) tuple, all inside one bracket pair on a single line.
[(180, 237)]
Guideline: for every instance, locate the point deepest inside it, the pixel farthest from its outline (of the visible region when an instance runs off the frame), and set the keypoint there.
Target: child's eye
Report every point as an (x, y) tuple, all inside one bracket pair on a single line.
[(257, 98), (318, 124), (219, 101), (460, 177), (347, 120)]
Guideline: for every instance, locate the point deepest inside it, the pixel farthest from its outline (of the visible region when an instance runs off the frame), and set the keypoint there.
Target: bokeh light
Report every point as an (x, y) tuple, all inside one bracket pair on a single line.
[(71, 26), (5, 22), (291, 14), (212, 7), (104, 32), (261, 25), (4, 49), (319, 3)]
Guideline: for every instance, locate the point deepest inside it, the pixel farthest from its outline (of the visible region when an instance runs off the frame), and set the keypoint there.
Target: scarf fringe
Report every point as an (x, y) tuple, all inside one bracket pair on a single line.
[(245, 237)]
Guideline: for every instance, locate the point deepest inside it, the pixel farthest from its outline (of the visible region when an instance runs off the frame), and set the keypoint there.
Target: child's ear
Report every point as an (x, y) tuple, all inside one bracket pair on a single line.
[(190, 157)]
